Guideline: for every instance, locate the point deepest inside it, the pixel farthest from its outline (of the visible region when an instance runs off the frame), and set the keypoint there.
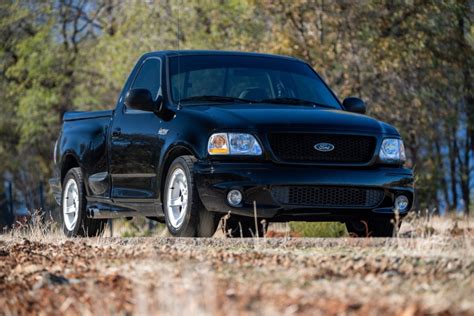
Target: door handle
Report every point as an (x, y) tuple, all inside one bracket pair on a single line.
[(116, 132)]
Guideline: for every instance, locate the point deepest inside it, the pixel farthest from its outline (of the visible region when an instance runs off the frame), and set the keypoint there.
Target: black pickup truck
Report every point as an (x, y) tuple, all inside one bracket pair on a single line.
[(196, 135)]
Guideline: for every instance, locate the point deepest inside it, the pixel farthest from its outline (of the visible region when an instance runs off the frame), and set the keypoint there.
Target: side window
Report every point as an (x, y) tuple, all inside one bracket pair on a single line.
[(149, 76)]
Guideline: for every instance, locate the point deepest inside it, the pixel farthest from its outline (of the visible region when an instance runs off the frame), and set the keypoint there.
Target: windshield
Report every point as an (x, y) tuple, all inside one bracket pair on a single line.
[(221, 78)]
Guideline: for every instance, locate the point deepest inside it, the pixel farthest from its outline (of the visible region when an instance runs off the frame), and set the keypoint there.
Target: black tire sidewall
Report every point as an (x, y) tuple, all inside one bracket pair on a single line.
[(188, 227), (84, 227), (72, 174)]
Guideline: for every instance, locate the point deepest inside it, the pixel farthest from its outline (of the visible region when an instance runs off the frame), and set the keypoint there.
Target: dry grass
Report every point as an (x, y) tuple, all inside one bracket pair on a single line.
[(428, 269)]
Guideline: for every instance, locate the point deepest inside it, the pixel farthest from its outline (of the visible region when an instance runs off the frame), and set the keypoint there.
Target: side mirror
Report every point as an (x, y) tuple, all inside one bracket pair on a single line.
[(355, 105), (141, 99)]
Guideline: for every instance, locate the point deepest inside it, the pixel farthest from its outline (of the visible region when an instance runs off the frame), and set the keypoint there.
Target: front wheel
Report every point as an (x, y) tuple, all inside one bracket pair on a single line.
[(184, 213), (382, 227), (73, 208)]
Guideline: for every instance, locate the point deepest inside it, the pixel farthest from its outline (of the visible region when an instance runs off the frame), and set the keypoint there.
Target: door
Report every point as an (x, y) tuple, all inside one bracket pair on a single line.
[(135, 144)]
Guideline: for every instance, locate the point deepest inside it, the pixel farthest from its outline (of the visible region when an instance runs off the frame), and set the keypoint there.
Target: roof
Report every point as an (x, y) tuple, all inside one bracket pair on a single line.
[(216, 52)]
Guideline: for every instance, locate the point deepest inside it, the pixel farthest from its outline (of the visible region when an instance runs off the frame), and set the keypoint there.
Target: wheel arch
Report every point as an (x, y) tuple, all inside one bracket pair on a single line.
[(69, 161), (171, 155)]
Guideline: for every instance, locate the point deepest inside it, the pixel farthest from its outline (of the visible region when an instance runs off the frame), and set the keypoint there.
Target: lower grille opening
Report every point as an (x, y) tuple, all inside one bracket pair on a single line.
[(320, 196)]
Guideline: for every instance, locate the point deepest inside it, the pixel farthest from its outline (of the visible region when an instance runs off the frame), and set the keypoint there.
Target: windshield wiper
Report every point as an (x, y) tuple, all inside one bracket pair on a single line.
[(215, 98), (295, 101)]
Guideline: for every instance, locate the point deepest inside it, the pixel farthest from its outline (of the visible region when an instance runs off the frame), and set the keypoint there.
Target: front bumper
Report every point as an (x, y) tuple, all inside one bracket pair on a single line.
[(255, 181)]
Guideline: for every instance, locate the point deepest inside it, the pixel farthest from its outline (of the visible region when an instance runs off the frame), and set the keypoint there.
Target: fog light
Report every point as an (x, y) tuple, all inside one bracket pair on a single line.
[(234, 197), (401, 203)]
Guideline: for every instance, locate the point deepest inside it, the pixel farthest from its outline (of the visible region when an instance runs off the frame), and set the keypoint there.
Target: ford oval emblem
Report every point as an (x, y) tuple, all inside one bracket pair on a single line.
[(324, 147)]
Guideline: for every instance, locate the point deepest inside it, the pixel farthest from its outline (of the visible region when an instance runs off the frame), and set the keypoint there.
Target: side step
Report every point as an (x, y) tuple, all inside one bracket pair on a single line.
[(100, 211)]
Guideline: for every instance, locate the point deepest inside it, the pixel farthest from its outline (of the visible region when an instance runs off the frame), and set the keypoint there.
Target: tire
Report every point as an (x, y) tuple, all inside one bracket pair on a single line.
[(236, 227), (185, 215), (73, 214), (382, 227)]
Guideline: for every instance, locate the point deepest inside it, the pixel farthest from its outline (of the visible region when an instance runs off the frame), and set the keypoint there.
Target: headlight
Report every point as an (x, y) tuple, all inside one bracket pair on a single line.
[(392, 151), (233, 144)]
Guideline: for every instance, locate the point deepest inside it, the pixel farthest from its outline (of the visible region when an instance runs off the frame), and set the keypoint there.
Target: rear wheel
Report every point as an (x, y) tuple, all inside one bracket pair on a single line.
[(382, 227), (73, 208), (244, 227), (184, 213)]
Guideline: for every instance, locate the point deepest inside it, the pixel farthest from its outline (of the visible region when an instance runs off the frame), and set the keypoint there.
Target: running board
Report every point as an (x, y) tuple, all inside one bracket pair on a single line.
[(100, 211)]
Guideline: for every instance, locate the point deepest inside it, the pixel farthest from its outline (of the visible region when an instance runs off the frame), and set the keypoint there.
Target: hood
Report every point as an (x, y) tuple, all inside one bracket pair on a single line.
[(285, 117)]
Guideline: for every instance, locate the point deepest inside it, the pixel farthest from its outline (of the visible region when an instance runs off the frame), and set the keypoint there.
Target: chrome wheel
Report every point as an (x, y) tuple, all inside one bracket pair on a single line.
[(70, 204), (177, 198)]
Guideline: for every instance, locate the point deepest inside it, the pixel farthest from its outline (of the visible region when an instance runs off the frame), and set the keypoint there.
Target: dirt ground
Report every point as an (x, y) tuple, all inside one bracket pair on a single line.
[(219, 276)]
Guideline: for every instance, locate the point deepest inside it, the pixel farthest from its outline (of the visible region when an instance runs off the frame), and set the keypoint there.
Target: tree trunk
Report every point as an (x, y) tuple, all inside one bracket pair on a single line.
[(453, 153), (442, 174), (468, 97)]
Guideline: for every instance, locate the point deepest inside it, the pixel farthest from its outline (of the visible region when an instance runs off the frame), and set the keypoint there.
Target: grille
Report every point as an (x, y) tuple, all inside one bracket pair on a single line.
[(300, 148), (327, 196)]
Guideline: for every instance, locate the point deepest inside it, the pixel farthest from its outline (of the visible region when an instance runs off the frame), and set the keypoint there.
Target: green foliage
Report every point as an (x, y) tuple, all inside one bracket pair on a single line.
[(411, 62), (318, 229), (37, 81)]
